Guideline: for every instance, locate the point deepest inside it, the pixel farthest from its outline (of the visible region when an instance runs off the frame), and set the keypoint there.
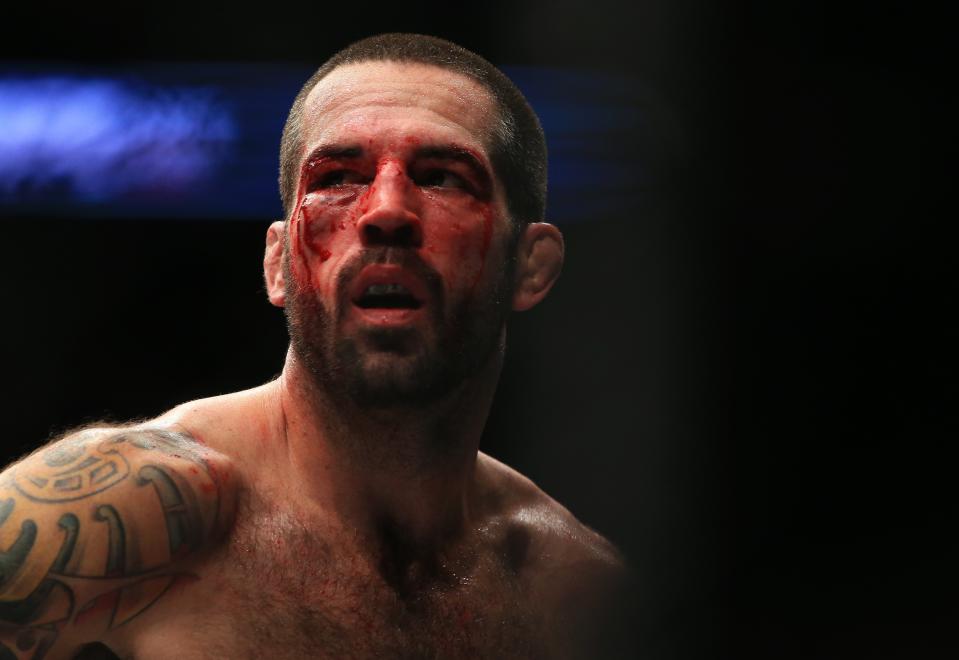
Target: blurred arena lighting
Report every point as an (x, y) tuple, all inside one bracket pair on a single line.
[(201, 141), (73, 141)]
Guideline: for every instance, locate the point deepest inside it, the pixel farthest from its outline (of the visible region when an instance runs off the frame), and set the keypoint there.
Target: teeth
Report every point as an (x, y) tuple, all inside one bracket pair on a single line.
[(386, 290)]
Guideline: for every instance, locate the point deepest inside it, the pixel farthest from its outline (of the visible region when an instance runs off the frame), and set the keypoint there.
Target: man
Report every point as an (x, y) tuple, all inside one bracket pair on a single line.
[(342, 510)]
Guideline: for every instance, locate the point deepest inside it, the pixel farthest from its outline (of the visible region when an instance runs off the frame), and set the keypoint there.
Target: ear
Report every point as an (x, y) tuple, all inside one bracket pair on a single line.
[(539, 259), (273, 263)]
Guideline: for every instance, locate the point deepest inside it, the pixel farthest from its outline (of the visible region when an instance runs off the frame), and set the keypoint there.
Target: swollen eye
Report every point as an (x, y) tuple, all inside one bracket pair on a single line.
[(441, 179), (336, 178)]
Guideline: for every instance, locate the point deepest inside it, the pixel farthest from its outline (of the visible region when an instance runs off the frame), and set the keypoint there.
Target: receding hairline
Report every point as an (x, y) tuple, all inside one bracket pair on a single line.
[(514, 142), (494, 108)]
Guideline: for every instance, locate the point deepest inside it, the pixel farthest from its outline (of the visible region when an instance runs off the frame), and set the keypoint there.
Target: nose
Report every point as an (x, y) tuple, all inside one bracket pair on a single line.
[(390, 217)]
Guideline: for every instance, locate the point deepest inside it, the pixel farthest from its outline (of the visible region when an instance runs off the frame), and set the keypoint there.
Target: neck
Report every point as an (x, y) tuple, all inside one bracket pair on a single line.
[(397, 475)]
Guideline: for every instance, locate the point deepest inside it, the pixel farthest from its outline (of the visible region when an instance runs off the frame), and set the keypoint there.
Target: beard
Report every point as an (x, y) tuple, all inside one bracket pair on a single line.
[(396, 367)]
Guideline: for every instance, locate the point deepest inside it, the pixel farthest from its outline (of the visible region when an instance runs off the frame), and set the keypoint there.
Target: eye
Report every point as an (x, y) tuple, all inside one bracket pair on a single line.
[(336, 178), (437, 178)]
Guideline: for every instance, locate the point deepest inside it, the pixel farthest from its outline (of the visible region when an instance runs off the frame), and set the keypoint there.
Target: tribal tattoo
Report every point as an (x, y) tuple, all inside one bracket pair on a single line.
[(94, 530)]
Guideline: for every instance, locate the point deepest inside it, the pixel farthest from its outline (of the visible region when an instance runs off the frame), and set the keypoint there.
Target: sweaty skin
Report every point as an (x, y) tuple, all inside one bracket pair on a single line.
[(291, 520)]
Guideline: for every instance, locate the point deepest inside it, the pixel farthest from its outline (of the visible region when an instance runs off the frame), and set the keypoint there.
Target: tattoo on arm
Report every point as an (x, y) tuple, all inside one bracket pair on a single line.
[(93, 531)]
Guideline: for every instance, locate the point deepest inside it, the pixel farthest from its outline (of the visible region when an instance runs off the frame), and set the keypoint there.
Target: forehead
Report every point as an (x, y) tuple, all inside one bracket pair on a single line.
[(393, 100)]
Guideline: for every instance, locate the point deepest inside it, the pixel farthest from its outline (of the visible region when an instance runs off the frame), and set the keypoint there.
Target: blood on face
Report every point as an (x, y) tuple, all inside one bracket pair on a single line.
[(436, 199)]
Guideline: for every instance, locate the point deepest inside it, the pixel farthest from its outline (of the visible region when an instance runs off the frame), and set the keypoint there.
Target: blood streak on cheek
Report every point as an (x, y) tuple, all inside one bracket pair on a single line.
[(296, 235), (308, 228), (325, 217), (318, 230), (363, 206)]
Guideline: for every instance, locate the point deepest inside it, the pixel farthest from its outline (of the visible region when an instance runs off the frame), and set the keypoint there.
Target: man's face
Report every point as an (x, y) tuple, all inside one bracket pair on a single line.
[(398, 284)]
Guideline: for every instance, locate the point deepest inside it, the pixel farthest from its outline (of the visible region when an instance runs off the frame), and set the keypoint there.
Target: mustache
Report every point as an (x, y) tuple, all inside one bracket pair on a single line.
[(406, 259)]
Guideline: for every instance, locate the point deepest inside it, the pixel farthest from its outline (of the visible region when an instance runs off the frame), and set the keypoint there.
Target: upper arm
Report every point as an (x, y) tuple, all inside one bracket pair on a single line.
[(586, 589), (592, 610), (95, 528)]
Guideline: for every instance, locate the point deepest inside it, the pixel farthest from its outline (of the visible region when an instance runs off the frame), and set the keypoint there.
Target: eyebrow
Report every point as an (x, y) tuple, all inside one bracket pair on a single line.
[(449, 152), (441, 152), (334, 151)]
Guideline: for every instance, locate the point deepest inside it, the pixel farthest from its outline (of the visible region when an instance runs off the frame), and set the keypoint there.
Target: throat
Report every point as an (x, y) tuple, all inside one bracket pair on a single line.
[(413, 567)]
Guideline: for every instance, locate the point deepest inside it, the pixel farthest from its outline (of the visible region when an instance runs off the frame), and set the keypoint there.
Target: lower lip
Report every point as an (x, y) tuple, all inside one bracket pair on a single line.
[(386, 317)]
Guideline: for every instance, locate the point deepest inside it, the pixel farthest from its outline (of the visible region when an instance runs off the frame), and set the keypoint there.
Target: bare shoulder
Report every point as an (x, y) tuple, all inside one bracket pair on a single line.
[(558, 540), (578, 582), (224, 423), (98, 526)]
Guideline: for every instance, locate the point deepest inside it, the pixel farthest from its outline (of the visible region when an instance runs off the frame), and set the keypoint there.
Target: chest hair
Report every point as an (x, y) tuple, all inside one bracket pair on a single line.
[(293, 590)]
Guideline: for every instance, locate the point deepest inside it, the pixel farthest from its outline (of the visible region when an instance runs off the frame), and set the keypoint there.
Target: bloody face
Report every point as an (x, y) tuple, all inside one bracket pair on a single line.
[(397, 276)]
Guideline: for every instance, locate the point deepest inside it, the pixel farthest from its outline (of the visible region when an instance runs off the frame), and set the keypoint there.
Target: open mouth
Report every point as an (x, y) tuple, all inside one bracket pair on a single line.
[(387, 296)]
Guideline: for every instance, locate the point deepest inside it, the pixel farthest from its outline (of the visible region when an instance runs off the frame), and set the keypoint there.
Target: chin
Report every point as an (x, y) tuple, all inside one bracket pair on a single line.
[(394, 367), (382, 379)]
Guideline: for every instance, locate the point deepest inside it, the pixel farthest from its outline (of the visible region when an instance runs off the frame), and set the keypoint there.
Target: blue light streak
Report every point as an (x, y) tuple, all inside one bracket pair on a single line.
[(201, 140), (69, 140)]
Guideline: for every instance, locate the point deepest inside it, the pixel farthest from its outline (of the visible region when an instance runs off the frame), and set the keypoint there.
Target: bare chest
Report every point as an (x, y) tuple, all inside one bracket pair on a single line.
[(283, 587)]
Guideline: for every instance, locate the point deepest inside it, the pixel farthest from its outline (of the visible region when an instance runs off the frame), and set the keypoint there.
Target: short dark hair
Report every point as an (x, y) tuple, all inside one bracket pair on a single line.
[(518, 149)]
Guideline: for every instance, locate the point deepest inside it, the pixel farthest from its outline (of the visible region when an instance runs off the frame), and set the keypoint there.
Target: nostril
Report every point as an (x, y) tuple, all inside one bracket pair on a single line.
[(404, 234), (372, 233)]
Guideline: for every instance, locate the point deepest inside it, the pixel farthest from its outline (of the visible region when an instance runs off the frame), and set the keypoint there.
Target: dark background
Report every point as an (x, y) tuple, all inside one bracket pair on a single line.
[(746, 380)]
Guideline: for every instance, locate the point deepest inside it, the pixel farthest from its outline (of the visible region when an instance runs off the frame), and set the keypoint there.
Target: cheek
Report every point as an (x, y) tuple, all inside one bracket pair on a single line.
[(457, 228), (322, 227), (460, 239), (322, 224)]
